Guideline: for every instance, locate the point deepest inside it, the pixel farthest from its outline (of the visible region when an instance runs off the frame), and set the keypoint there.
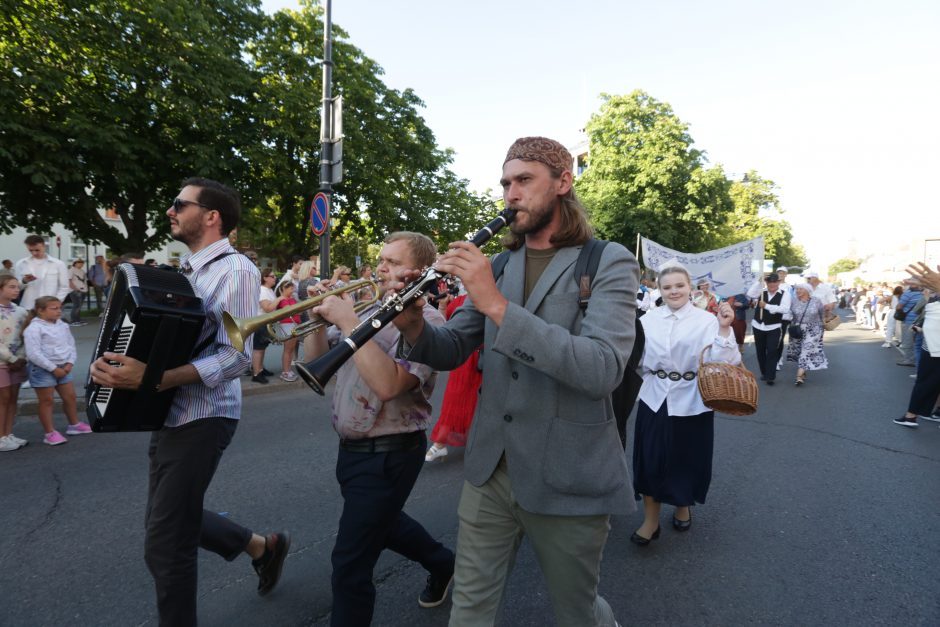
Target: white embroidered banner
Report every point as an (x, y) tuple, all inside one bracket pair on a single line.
[(730, 270)]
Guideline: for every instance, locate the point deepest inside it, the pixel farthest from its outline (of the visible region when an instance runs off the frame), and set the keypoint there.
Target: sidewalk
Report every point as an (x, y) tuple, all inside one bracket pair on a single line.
[(85, 338)]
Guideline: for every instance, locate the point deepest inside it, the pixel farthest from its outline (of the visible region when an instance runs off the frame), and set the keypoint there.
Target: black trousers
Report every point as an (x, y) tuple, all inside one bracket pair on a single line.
[(375, 487), (783, 335), (926, 386), (767, 344), (182, 463)]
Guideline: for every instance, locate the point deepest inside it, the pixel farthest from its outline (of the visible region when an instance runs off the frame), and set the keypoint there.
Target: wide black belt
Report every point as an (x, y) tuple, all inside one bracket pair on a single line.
[(383, 443), (674, 376)]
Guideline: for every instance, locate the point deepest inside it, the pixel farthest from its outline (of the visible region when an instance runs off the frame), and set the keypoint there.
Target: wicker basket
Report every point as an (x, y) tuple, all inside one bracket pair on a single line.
[(831, 324), (725, 388)]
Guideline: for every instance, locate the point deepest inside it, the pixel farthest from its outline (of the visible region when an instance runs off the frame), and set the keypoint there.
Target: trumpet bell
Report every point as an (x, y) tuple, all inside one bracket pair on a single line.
[(238, 329)]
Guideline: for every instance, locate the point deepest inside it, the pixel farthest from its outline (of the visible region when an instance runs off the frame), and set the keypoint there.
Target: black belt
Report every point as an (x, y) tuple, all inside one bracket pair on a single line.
[(383, 443), (674, 376)]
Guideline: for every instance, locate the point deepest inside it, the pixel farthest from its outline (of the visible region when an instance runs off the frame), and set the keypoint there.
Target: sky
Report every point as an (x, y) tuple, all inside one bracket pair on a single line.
[(837, 102)]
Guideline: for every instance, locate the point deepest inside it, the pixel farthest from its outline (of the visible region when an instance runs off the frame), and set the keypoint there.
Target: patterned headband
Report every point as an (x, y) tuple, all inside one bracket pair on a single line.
[(540, 149)]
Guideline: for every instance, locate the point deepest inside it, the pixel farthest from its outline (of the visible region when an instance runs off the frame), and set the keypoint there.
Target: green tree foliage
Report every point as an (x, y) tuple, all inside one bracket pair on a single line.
[(644, 176), (757, 212), (846, 264), (110, 104), (395, 178)]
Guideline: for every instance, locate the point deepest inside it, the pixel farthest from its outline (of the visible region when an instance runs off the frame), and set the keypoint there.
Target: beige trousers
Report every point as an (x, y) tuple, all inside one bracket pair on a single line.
[(568, 549)]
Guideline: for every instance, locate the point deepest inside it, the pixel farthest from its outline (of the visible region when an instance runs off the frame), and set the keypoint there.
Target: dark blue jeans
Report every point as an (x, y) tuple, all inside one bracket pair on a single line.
[(375, 487), (926, 386)]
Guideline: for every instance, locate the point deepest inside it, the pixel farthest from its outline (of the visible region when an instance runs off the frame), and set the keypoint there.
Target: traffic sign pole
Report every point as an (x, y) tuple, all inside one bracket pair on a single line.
[(326, 137)]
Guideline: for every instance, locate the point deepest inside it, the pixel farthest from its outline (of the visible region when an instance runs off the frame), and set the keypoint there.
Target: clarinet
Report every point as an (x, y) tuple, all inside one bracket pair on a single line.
[(317, 372)]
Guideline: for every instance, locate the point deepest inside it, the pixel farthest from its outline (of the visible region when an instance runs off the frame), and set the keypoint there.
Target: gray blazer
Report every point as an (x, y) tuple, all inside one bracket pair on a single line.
[(548, 372)]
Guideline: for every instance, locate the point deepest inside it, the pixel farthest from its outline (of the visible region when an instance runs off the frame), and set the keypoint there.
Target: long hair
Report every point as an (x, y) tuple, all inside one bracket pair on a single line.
[(574, 228), (7, 278), (40, 305), (306, 270)]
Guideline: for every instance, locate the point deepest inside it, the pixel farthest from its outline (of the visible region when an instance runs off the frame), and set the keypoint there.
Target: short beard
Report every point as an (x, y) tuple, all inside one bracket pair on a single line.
[(541, 222), (183, 237)]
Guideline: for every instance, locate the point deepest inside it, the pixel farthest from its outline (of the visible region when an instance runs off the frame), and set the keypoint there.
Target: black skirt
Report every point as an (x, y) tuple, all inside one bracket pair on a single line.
[(672, 455)]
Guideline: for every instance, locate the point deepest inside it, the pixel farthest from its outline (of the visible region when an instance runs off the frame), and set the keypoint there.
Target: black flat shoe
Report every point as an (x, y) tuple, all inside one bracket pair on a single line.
[(641, 541), (682, 525)]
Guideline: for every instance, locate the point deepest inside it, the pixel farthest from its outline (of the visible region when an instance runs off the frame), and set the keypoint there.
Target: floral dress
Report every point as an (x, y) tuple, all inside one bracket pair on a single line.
[(808, 352)]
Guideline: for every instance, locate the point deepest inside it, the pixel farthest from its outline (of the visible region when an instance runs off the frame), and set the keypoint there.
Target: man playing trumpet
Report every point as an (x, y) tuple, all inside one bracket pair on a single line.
[(381, 408)]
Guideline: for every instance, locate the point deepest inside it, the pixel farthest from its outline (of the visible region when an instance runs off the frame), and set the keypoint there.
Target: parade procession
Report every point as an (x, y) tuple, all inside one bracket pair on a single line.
[(550, 363)]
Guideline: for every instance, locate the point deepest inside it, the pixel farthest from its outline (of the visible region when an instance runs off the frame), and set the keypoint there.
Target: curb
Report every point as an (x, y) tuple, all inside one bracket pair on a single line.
[(30, 408)]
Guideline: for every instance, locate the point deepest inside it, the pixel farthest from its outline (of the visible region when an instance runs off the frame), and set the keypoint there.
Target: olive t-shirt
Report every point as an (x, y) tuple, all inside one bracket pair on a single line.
[(535, 263)]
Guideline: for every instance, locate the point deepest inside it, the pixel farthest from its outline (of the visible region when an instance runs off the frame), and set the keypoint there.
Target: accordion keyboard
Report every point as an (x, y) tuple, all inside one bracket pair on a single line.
[(103, 394)]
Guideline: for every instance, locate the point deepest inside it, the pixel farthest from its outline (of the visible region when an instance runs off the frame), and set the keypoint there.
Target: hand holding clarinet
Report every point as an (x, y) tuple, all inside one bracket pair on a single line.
[(466, 261)]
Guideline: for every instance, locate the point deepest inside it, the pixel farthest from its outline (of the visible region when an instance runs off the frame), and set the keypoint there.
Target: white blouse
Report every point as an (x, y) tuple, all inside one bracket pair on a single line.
[(674, 341)]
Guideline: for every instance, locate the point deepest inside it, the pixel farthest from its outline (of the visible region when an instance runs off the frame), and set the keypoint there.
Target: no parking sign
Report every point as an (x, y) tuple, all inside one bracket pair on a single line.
[(319, 213)]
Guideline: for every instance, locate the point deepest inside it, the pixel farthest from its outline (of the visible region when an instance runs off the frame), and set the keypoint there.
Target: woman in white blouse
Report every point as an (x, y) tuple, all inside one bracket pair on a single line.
[(672, 450)]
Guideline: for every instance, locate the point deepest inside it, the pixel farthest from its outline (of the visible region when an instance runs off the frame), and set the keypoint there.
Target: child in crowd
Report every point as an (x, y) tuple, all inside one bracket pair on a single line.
[(12, 359), (286, 294), (50, 349)]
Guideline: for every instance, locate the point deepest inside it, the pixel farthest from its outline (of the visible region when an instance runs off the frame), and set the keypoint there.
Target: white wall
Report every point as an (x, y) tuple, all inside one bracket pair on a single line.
[(13, 248)]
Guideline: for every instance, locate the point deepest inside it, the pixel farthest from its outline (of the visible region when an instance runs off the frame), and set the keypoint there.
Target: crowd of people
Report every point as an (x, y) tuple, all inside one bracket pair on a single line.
[(543, 455), (917, 312)]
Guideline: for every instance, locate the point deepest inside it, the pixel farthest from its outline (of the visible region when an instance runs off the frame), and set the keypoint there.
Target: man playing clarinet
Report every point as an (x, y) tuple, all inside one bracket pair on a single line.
[(381, 408), (543, 457)]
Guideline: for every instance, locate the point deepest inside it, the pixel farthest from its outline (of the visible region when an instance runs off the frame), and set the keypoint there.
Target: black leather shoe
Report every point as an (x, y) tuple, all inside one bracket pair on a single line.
[(267, 372), (269, 565), (641, 541), (435, 591), (682, 525)]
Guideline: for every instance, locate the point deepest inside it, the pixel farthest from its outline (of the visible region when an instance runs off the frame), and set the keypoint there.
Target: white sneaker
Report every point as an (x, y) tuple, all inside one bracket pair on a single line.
[(434, 452), (288, 376), (19, 441), (886, 345), (6, 444)]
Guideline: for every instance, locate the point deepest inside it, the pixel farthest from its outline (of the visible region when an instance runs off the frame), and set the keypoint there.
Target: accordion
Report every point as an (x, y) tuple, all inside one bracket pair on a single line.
[(154, 316)]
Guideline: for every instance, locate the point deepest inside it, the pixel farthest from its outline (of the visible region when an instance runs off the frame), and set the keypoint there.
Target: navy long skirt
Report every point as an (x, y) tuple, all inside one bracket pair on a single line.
[(672, 455)]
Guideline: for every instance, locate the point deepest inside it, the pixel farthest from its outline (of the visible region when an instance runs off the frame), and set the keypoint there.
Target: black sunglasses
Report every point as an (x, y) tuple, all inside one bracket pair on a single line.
[(179, 204)]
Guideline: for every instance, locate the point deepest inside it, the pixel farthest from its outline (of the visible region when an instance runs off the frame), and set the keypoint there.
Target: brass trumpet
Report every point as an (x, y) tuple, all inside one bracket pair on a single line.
[(238, 329)]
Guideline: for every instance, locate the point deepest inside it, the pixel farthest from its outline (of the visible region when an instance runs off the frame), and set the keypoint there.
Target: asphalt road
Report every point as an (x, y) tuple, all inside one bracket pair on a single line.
[(821, 512)]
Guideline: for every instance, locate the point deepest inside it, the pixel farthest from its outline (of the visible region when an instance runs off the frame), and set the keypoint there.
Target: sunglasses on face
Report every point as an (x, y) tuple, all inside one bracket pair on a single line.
[(179, 204)]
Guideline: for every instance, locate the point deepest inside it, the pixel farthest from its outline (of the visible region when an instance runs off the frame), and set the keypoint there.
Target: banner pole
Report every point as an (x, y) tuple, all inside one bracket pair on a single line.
[(638, 248)]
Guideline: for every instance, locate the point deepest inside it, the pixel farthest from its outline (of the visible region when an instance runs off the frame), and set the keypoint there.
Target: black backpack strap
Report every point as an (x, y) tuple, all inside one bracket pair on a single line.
[(586, 268), (203, 345), (499, 264)]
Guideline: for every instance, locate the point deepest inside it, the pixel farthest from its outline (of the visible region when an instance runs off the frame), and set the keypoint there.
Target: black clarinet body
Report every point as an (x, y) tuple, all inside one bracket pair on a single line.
[(318, 372)]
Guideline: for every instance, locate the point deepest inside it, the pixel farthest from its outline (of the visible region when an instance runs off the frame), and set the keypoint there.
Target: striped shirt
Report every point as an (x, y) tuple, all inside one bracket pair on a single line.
[(229, 284)]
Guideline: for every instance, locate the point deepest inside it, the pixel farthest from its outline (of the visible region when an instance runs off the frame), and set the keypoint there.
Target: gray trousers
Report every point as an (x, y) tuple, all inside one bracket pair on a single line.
[(907, 342), (568, 549)]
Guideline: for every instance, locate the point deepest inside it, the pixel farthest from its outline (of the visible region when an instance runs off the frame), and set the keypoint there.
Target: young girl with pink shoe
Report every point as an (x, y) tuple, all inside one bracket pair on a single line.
[(50, 349)]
